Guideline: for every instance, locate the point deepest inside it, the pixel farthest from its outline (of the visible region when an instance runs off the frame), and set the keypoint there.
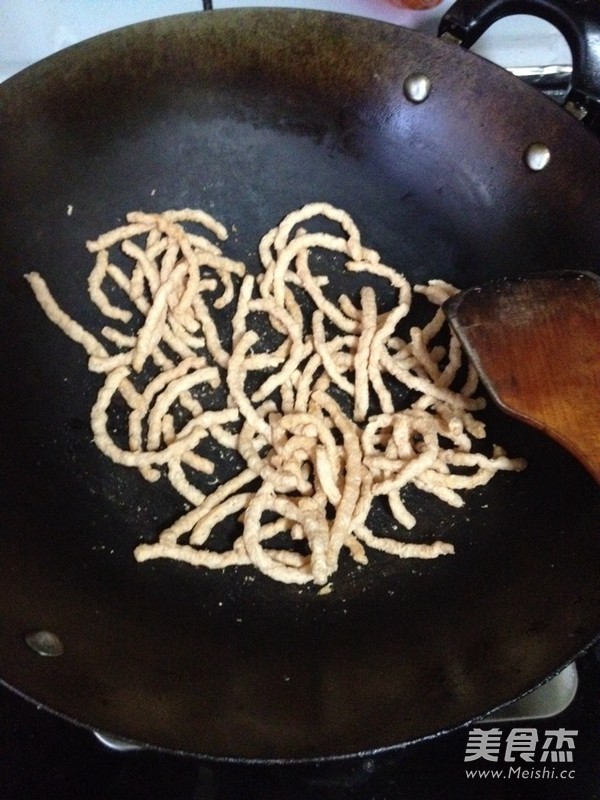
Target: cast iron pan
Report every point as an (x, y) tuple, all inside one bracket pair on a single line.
[(251, 114)]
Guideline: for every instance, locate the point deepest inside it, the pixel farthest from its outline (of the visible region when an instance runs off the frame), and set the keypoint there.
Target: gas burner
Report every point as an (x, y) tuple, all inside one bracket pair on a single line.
[(548, 700)]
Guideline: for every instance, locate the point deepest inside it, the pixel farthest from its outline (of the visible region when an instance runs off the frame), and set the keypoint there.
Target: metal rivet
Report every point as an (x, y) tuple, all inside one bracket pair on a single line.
[(577, 110), (451, 38), (45, 643), (537, 156), (417, 87)]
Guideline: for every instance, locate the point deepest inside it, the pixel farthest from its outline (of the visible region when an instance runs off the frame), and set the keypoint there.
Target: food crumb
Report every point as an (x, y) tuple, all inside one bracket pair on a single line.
[(69, 210), (327, 589), (153, 192)]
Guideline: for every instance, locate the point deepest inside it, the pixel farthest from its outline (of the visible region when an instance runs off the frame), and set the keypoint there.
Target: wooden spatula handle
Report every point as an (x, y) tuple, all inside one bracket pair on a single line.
[(536, 345)]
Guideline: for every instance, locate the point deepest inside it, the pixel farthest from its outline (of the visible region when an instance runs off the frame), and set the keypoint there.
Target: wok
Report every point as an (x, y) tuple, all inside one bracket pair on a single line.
[(250, 114)]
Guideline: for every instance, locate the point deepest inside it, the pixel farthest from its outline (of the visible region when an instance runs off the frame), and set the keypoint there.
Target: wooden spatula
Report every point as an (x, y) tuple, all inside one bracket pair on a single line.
[(535, 342)]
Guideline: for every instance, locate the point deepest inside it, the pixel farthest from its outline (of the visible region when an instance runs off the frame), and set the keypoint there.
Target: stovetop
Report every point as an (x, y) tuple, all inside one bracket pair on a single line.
[(43, 756)]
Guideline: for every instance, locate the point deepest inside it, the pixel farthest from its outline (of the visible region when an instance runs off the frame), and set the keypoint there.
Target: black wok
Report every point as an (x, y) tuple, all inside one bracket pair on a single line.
[(250, 114)]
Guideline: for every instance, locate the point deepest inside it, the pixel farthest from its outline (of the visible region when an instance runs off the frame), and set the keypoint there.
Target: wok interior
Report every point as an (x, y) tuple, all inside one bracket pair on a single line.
[(250, 115)]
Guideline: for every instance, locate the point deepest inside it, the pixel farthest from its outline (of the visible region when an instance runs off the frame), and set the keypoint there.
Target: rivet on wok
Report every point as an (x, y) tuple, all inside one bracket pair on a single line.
[(537, 156), (451, 38), (576, 110), (417, 87), (45, 643)]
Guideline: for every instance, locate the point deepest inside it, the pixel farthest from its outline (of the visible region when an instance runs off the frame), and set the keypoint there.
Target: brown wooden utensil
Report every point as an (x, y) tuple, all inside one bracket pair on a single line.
[(535, 342)]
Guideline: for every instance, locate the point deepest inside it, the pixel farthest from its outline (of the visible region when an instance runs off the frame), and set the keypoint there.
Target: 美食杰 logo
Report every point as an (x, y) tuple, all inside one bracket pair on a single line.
[(520, 753)]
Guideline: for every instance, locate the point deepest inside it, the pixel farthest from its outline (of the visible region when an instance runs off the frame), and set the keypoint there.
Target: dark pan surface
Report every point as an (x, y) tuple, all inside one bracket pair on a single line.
[(250, 114)]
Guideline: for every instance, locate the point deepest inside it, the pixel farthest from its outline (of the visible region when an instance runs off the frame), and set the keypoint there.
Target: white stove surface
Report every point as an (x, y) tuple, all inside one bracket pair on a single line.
[(33, 30)]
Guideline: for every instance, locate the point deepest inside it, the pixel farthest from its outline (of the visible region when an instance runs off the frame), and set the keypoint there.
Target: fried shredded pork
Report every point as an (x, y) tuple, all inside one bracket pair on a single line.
[(330, 409)]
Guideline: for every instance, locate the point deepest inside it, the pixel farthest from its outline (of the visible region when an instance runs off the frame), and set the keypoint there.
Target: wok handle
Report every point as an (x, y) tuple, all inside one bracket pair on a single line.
[(577, 20)]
